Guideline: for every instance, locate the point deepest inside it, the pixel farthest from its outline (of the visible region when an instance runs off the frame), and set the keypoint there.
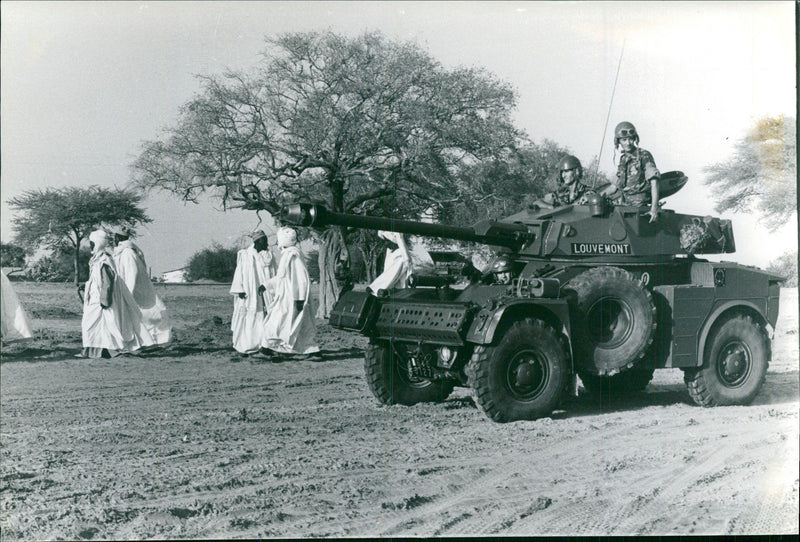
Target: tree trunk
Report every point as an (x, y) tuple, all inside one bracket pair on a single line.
[(332, 251), (76, 264), (369, 276)]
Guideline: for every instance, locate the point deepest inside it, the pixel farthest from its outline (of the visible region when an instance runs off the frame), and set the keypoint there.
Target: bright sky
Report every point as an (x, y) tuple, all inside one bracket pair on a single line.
[(84, 83)]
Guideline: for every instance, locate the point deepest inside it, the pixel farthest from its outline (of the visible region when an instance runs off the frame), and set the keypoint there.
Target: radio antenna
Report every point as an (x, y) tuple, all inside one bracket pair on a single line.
[(608, 116)]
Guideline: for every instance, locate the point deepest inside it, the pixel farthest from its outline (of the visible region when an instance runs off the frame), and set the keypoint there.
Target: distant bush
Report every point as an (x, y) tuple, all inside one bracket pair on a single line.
[(216, 263), (785, 266), (59, 266), (11, 255)]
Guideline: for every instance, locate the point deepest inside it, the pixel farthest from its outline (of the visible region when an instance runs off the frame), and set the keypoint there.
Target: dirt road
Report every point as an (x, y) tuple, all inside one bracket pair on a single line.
[(197, 442)]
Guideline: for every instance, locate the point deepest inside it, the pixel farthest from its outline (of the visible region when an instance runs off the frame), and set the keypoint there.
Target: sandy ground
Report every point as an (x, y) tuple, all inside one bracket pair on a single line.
[(198, 442)]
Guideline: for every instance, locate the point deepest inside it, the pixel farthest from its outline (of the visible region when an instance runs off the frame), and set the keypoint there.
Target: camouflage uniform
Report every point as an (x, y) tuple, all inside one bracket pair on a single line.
[(635, 171), (564, 196)]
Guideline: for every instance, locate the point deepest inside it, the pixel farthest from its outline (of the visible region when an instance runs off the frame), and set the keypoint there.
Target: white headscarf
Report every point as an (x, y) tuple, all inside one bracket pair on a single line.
[(392, 236), (100, 239), (287, 237)]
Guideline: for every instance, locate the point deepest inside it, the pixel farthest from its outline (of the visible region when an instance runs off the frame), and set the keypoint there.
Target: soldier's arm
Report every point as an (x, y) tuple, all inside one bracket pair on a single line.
[(649, 165), (651, 174), (546, 202)]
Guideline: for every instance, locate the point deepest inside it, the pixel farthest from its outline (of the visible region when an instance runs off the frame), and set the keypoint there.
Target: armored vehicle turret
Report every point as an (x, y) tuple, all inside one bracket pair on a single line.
[(598, 292)]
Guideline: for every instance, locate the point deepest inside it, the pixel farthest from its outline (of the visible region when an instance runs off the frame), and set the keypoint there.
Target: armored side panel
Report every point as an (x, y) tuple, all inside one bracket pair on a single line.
[(355, 311), (687, 312)]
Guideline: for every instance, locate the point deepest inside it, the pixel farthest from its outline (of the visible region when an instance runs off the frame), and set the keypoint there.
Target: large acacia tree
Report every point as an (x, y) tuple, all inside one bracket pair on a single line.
[(347, 121), (61, 218), (762, 172)]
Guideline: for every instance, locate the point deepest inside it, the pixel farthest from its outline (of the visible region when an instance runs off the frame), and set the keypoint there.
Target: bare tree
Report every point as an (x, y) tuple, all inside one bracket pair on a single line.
[(347, 121), (762, 172)]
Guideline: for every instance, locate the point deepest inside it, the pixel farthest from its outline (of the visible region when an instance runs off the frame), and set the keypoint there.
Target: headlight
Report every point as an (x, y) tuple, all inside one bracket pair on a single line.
[(446, 357)]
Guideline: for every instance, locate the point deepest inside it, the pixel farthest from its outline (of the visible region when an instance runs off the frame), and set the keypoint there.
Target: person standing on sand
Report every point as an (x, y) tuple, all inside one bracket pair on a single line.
[(112, 322), (14, 323), (254, 266), (132, 269), (290, 326)]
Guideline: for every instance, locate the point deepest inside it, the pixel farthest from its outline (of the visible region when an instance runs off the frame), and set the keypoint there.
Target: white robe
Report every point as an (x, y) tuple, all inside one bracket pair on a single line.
[(132, 269), (287, 330), (14, 323), (397, 269), (253, 269), (118, 327)]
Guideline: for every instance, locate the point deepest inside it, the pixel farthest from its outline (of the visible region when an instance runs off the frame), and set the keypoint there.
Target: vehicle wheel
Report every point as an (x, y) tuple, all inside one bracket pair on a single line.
[(734, 364), (522, 376), (614, 320), (389, 378), (630, 381)]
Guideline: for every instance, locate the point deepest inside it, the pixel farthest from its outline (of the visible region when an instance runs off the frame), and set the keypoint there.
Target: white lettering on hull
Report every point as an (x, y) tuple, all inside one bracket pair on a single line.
[(601, 248)]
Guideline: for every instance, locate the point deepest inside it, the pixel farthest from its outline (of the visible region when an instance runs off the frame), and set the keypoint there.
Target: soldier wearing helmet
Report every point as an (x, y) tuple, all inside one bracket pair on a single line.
[(501, 268), (571, 189), (637, 174)]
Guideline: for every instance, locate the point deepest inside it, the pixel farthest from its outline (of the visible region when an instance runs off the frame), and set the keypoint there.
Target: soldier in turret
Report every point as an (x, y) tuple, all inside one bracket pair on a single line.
[(501, 269), (571, 189), (637, 174)]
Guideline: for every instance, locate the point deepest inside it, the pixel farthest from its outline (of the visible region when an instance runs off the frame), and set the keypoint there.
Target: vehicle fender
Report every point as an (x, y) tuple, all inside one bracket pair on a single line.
[(554, 311), (750, 308)]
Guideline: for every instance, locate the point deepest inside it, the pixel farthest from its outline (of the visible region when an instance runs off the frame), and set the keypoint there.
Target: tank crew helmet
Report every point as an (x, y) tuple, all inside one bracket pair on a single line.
[(501, 265), (625, 129), (501, 269), (567, 163)]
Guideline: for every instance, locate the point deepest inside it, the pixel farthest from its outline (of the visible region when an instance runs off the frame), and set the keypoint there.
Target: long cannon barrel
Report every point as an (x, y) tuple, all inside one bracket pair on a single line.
[(489, 232)]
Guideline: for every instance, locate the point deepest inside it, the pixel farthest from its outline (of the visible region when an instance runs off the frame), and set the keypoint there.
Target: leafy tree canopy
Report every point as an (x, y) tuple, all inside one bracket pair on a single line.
[(786, 266), (216, 263), (11, 255), (58, 266), (61, 218), (762, 172)]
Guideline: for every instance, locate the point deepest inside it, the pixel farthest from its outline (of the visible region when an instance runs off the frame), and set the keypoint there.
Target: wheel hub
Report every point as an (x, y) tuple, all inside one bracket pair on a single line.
[(527, 375), (733, 365), (610, 322)]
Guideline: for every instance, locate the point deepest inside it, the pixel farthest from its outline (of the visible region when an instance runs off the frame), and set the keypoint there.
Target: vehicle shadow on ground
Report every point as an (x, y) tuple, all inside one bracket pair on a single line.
[(779, 388), (586, 404)]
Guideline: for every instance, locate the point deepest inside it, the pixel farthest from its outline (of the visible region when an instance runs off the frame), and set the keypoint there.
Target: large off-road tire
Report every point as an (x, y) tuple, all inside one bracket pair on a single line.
[(735, 364), (522, 376), (631, 381), (614, 320), (386, 369)]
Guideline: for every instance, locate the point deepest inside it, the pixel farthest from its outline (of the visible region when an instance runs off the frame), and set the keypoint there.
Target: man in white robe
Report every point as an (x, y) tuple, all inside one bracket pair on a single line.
[(112, 322), (397, 266), (132, 269), (14, 323), (254, 266), (290, 326)]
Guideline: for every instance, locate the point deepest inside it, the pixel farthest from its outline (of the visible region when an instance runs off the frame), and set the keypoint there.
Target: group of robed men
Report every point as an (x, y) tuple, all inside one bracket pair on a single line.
[(272, 311), (121, 311)]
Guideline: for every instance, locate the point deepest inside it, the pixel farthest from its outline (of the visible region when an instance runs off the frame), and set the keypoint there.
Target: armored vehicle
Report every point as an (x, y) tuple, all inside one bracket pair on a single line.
[(598, 291)]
